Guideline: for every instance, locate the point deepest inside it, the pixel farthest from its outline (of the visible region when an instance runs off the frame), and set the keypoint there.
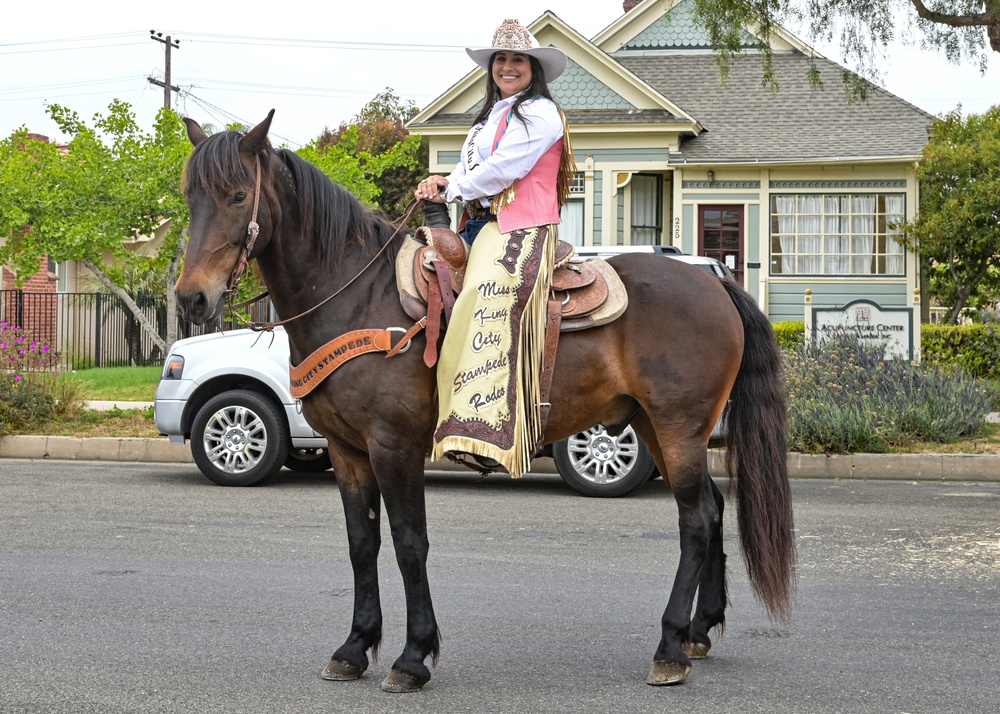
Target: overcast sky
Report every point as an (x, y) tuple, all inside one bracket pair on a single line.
[(316, 64)]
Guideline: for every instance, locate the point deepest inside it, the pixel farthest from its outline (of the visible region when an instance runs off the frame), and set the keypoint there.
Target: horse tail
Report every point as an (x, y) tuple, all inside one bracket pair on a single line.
[(756, 460)]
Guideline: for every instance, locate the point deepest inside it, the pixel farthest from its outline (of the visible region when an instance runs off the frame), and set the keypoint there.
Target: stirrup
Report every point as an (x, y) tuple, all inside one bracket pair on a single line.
[(483, 464)]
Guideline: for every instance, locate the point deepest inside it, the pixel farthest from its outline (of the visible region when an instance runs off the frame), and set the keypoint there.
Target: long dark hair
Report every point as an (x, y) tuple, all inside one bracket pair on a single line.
[(538, 88)]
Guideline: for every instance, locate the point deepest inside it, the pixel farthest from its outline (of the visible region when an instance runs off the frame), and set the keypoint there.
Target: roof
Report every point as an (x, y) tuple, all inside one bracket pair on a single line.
[(745, 121), (574, 116)]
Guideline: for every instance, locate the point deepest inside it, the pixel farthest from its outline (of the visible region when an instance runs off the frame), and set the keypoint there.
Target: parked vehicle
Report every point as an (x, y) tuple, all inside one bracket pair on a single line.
[(228, 394)]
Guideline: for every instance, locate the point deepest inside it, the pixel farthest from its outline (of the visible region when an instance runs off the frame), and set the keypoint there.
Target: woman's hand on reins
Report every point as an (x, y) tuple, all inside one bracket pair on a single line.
[(432, 189)]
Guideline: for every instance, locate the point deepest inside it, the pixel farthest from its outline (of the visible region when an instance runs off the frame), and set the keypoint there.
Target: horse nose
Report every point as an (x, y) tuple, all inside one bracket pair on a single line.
[(194, 306)]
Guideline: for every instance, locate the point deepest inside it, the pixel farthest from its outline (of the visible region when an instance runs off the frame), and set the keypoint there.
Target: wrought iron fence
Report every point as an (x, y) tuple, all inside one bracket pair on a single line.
[(98, 329)]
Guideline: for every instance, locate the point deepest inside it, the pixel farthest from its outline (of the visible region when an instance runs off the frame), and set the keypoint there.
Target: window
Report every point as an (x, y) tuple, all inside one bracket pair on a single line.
[(571, 215), (647, 209), (836, 234), (571, 222)]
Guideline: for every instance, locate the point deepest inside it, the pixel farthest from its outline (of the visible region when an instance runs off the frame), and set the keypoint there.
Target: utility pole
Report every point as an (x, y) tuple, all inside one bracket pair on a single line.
[(167, 86)]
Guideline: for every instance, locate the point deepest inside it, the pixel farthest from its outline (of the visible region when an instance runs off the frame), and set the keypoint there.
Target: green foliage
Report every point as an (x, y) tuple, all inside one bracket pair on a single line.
[(790, 334), (974, 348), (385, 151), (844, 397), (958, 228), (30, 390), (111, 183)]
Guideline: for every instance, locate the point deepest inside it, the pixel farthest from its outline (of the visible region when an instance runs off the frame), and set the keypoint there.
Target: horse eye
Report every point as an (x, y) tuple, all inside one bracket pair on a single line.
[(239, 197)]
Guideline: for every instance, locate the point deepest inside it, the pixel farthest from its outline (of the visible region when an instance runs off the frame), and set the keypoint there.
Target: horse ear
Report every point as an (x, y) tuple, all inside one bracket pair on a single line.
[(255, 140), (194, 131)]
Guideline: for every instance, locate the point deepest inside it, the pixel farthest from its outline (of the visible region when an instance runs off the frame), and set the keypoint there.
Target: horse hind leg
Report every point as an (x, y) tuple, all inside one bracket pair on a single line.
[(362, 508), (685, 467), (713, 595)]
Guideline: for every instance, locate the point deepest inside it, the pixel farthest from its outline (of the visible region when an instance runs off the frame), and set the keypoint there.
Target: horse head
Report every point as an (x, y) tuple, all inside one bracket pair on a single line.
[(233, 214)]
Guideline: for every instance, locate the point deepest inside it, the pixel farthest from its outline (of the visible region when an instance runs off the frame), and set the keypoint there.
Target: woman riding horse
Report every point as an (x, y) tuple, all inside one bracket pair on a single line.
[(513, 176)]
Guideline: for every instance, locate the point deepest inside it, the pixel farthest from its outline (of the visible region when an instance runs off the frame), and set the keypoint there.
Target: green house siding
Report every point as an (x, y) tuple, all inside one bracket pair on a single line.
[(687, 230), (679, 29), (598, 207), (620, 237), (577, 88), (751, 241), (786, 301), (660, 156)]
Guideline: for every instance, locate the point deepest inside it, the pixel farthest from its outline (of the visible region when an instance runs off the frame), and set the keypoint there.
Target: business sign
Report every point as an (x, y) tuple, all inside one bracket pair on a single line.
[(870, 323)]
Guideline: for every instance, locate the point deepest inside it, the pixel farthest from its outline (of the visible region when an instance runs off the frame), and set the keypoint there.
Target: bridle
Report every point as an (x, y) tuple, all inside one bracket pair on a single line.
[(243, 262), (253, 230)]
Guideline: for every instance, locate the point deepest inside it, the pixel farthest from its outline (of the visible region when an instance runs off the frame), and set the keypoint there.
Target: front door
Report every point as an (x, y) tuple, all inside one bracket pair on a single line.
[(721, 236)]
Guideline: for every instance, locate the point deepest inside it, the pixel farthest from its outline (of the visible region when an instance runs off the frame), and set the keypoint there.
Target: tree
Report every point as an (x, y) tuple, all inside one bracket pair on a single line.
[(958, 228), (966, 30), (110, 184), (384, 148)]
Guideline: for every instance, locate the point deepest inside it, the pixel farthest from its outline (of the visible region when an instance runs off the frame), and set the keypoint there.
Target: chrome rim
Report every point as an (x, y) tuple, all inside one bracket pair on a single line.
[(601, 458), (235, 439)]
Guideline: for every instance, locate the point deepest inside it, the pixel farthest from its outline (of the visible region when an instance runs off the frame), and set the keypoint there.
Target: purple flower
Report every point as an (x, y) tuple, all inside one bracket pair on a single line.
[(45, 348), (17, 378)]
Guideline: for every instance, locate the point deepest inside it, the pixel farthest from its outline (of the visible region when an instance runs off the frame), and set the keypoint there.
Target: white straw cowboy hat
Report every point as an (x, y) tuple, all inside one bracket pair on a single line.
[(514, 37)]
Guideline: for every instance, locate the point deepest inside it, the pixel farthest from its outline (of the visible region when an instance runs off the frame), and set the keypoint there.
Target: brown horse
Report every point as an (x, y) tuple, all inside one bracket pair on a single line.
[(687, 343)]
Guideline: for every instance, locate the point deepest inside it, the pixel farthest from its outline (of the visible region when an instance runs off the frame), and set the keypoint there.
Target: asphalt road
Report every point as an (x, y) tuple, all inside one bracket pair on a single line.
[(145, 588)]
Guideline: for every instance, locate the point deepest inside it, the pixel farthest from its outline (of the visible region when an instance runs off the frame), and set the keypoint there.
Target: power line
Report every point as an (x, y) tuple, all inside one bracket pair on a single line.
[(240, 40), (67, 49), (233, 119), (67, 39)]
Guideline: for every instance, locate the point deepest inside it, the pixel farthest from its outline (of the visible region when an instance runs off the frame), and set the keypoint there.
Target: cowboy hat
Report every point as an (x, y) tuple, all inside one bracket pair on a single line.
[(514, 37)]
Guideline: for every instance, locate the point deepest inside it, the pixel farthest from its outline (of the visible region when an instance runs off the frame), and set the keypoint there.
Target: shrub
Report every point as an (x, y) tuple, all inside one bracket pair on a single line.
[(30, 389), (975, 348), (789, 335), (844, 397)]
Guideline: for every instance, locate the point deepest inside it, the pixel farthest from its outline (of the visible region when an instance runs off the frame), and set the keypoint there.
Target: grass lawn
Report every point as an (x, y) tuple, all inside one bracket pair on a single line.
[(131, 384)]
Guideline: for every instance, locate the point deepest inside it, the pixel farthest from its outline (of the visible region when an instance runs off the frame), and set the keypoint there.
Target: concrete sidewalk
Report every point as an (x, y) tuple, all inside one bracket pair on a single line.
[(903, 467)]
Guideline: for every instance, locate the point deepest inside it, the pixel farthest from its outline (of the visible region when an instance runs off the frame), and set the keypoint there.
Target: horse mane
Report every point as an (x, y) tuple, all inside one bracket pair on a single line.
[(332, 220)]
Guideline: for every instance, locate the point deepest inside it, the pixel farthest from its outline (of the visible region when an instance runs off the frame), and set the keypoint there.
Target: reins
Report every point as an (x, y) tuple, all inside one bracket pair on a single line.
[(244, 261)]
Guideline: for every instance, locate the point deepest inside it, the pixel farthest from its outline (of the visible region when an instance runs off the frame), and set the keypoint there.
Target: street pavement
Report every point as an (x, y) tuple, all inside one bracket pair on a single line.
[(145, 588), (905, 467)]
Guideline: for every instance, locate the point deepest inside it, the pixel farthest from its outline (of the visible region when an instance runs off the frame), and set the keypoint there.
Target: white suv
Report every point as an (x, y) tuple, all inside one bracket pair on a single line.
[(228, 393)]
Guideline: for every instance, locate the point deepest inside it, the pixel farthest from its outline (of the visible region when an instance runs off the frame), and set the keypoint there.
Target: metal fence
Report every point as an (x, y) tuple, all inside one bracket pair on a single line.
[(98, 330)]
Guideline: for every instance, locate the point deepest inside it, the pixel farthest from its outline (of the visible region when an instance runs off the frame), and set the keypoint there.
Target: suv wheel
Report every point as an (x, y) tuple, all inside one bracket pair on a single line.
[(596, 463), (239, 438), (308, 460)]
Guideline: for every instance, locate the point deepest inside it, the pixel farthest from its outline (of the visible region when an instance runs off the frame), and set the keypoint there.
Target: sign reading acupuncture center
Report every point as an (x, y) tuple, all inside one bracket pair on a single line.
[(870, 322)]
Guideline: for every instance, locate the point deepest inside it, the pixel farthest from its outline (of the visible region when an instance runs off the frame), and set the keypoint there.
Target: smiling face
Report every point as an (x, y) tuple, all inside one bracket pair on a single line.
[(511, 72)]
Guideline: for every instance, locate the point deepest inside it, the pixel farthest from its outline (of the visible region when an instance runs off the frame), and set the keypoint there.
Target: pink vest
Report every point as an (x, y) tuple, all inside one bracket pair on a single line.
[(535, 202)]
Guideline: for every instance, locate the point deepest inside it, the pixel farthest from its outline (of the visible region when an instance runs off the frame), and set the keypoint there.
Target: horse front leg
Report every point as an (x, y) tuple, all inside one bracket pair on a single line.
[(699, 518), (402, 488), (362, 508)]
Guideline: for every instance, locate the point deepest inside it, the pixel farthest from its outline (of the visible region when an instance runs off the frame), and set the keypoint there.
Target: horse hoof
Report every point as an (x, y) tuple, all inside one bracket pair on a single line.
[(697, 650), (398, 682), (337, 670), (666, 673)]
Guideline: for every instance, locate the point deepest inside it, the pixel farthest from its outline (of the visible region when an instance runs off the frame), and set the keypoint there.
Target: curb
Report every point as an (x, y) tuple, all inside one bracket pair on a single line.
[(892, 467)]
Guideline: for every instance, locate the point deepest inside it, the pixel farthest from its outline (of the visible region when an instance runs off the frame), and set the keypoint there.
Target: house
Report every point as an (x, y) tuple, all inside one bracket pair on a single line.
[(796, 190)]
